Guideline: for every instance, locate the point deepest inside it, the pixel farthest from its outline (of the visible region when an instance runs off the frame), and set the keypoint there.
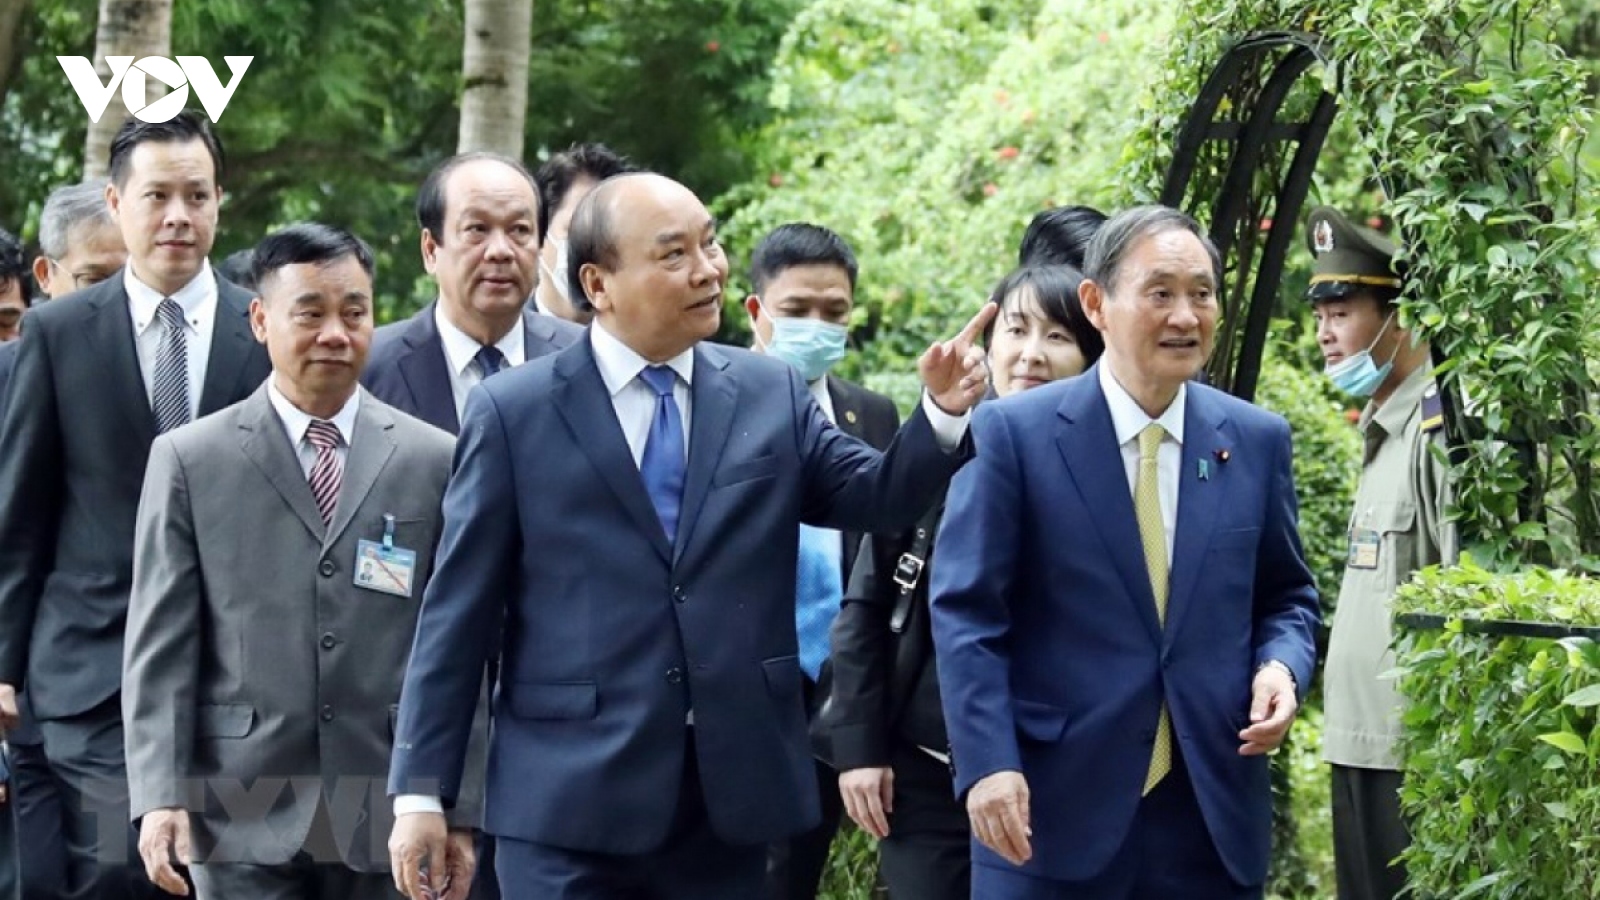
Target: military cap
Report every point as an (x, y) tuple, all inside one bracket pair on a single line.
[(1349, 257)]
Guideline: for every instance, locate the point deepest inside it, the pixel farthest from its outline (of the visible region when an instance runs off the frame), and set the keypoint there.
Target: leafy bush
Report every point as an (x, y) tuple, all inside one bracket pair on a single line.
[(1501, 746)]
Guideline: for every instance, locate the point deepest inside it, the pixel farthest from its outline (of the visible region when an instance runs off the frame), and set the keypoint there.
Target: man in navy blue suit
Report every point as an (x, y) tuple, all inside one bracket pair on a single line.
[(629, 509), (481, 221), (1122, 612)]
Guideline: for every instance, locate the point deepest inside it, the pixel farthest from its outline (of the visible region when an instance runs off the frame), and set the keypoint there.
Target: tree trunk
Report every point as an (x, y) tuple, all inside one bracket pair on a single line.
[(10, 35), (136, 28), (494, 68)]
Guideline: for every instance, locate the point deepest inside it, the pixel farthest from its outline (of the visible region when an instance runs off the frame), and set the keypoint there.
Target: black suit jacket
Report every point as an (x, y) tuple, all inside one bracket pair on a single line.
[(867, 416), (407, 367), (77, 430)]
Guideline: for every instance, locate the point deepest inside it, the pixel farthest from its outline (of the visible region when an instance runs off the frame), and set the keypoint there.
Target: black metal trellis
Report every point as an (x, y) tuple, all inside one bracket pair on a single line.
[(1498, 627)]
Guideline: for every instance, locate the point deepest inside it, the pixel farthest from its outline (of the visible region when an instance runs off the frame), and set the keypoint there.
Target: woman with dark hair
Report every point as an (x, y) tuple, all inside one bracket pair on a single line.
[(1060, 236), (884, 718)]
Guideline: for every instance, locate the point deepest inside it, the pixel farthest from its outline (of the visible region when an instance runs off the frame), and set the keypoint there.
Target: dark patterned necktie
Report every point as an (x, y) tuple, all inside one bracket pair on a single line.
[(326, 472), (169, 395)]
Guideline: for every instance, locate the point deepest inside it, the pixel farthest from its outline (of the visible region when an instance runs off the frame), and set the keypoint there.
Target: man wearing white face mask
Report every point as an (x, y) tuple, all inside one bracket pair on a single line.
[(564, 180), (803, 280), (1397, 527)]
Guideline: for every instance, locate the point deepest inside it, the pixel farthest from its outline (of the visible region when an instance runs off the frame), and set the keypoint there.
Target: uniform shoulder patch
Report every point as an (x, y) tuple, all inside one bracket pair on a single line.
[(1432, 409)]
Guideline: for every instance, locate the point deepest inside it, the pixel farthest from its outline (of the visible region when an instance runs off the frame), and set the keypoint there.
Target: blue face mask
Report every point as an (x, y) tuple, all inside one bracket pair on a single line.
[(810, 345), (1356, 374)]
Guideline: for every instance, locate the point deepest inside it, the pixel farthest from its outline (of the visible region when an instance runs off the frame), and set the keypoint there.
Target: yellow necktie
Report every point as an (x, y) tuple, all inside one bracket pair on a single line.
[(1153, 535)]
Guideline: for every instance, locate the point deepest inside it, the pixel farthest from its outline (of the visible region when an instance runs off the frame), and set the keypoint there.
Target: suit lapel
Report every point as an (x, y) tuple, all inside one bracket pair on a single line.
[(231, 344), (846, 409), (715, 393), (264, 441), (110, 330), (1199, 499), (426, 373), (1088, 443), (584, 404), (370, 449)]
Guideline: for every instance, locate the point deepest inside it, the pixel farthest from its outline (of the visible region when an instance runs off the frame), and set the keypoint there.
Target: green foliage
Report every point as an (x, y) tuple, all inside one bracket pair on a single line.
[(1502, 750), (929, 136), (348, 104), (1475, 123)]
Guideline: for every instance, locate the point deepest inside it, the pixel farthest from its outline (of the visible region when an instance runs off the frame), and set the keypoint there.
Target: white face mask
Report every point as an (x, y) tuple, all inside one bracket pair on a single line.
[(558, 278)]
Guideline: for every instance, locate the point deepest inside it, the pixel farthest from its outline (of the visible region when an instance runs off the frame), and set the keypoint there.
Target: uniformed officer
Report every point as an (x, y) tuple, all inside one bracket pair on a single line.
[(1397, 527)]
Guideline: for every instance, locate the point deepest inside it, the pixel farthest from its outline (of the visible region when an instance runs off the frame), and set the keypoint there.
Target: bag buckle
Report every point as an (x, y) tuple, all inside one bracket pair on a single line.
[(908, 571)]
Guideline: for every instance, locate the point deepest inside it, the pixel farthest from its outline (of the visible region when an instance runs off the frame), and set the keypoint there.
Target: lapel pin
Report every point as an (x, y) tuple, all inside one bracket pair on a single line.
[(1222, 456), (1205, 470), (850, 416)]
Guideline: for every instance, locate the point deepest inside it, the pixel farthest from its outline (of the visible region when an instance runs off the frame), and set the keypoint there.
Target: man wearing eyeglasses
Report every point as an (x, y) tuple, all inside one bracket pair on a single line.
[(79, 243)]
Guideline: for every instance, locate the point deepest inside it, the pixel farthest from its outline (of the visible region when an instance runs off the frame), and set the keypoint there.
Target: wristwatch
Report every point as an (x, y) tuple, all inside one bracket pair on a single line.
[(1282, 666)]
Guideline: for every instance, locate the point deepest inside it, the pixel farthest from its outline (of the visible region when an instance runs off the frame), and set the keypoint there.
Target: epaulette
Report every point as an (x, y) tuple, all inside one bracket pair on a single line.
[(1432, 409)]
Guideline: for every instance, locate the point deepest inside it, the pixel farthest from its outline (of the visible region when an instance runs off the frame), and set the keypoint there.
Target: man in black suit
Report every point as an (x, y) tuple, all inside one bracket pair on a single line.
[(481, 223), (98, 375), (803, 280)]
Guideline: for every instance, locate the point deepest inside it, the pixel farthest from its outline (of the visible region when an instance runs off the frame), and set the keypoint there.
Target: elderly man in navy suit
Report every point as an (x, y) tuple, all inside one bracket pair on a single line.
[(629, 509), (481, 223), (1122, 613)]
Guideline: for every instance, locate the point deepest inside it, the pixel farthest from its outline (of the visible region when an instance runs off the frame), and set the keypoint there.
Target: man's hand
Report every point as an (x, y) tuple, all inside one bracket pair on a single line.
[(1273, 706), (953, 371), (869, 798), (422, 841), (9, 714), (163, 837), (998, 808)]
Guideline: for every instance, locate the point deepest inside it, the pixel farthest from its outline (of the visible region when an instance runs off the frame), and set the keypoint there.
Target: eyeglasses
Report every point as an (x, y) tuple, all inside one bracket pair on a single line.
[(81, 280)]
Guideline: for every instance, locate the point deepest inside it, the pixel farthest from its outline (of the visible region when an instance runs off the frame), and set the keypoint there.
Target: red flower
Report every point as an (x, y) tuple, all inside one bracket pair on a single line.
[(775, 180), (1266, 223), (1007, 152), (1353, 416), (990, 189), (1375, 222), (713, 46)]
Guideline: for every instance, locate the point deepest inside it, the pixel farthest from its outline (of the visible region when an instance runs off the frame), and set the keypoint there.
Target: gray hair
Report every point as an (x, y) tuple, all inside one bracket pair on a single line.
[(1103, 259), (66, 209)]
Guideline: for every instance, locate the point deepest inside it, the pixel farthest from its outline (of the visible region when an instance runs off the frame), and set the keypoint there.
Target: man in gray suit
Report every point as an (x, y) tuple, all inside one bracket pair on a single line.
[(281, 550)]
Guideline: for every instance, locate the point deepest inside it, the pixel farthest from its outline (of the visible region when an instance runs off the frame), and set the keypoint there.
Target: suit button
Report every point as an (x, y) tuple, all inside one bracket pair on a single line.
[(674, 675), (679, 594), (327, 713), (327, 568), (329, 641)]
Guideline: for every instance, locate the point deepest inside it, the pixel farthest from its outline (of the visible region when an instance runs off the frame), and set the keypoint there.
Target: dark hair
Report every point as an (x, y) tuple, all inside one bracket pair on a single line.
[(181, 128), (12, 265), (307, 243), (431, 196), (555, 178), (799, 244), (592, 239), (1060, 236), (237, 269), (1056, 290), (1112, 242)]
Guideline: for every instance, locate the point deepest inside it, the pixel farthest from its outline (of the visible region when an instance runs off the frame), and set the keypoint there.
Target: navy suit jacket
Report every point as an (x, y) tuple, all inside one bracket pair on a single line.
[(406, 367), (1052, 660), (612, 634)]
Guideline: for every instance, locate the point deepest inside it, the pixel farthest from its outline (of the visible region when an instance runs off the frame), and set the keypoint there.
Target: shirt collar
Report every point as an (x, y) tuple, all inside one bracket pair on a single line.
[(460, 348), (197, 299), (1128, 418), (1400, 406), (296, 421), (620, 364), (824, 398)]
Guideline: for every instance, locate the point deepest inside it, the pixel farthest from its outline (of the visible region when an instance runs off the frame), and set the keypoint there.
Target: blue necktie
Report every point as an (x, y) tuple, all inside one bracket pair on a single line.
[(490, 360), (663, 463), (819, 589)]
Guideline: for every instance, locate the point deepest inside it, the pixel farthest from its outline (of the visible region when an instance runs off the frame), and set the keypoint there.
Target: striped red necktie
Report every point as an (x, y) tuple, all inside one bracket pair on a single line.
[(326, 472)]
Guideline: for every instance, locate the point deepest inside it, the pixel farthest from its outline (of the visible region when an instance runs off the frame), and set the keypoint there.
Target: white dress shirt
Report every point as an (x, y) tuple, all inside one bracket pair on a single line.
[(198, 300), (1128, 419), (460, 351), (296, 421)]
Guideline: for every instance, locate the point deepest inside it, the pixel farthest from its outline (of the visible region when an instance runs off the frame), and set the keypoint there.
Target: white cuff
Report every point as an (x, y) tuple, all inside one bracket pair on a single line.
[(950, 430), (405, 804)]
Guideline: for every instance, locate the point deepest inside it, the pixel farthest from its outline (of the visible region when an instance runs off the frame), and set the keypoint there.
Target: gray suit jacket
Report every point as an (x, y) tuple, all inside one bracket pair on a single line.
[(258, 678)]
